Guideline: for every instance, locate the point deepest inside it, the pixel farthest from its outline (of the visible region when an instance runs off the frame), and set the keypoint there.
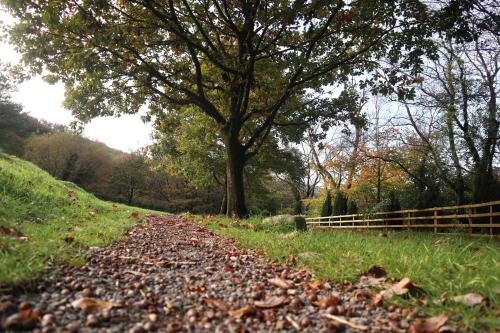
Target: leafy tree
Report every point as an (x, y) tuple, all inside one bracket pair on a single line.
[(340, 203), (240, 63), (393, 202), (15, 125), (70, 157), (352, 208), (326, 208), (128, 178)]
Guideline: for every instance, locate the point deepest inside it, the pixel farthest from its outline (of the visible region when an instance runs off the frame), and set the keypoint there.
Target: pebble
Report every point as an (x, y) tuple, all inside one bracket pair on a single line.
[(167, 276), (138, 328), (91, 320)]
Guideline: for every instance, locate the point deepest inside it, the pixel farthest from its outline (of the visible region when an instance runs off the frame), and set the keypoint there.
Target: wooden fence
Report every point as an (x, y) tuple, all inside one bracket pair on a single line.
[(480, 218)]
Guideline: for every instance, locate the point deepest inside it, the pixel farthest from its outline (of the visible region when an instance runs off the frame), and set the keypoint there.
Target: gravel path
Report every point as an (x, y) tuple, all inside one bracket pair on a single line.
[(172, 275)]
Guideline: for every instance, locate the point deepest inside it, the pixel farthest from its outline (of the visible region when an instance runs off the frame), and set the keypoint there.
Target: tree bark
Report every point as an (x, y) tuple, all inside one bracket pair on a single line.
[(235, 187)]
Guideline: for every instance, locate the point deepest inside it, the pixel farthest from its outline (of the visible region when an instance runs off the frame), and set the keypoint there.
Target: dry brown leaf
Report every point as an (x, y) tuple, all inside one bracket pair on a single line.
[(376, 272), (69, 238), (271, 302), (5, 231), (378, 300), (327, 301), (242, 312), (402, 287), (135, 215), (363, 294), (345, 322), (215, 303), (368, 281), (137, 273), (470, 299), (280, 283), (91, 304), (429, 325), (93, 213)]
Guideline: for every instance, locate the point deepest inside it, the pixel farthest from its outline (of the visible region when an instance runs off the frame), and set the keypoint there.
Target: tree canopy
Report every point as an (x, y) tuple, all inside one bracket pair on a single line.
[(243, 64)]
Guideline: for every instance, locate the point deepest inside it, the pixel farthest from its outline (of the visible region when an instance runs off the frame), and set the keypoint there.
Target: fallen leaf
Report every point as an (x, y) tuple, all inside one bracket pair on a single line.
[(378, 300), (135, 215), (375, 271), (345, 322), (221, 225), (137, 273), (93, 213), (429, 325), (5, 231), (293, 323), (363, 294), (368, 281), (18, 322), (69, 238), (470, 299), (91, 304), (327, 301), (280, 283), (402, 287), (318, 285), (215, 303), (271, 302), (242, 312)]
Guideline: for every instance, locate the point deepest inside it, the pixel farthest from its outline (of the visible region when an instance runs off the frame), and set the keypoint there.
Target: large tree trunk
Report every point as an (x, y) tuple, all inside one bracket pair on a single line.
[(235, 187)]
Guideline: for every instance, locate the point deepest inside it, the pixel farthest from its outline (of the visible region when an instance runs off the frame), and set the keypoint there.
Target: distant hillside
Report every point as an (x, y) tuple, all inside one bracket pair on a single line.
[(44, 221)]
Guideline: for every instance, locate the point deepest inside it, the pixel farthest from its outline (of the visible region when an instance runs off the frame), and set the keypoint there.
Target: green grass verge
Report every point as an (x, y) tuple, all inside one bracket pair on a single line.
[(443, 265), (46, 211)]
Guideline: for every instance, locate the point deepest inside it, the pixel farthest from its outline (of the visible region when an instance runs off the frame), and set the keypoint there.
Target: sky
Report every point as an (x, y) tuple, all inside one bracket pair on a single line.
[(44, 101)]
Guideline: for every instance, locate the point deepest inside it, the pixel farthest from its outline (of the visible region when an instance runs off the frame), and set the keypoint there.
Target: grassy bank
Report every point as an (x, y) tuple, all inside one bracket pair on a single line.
[(444, 266), (45, 222)]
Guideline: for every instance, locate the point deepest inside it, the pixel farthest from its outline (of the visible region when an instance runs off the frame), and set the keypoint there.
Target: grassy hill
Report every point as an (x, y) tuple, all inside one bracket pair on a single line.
[(45, 222)]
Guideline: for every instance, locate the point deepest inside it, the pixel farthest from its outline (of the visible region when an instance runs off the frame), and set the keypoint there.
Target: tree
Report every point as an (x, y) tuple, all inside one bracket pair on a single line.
[(16, 125), (326, 208), (70, 157), (128, 177), (460, 91), (340, 203), (352, 208), (240, 63)]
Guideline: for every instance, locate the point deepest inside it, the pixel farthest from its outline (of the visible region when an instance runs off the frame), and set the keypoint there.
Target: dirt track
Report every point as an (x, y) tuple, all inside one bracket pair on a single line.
[(173, 275)]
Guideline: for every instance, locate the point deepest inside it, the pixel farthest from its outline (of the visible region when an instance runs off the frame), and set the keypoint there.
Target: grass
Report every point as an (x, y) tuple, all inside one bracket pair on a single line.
[(443, 265), (60, 220)]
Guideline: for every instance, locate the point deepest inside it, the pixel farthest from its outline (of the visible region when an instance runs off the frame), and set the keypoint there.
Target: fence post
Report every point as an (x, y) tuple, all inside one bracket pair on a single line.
[(409, 221), (435, 221), (469, 219), (491, 220), (353, 219)]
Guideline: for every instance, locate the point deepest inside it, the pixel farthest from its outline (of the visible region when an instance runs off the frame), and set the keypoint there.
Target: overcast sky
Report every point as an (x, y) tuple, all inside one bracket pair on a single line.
[(44, 101)]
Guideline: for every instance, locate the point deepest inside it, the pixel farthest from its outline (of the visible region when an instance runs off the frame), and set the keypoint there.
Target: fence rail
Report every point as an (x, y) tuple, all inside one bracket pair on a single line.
[(477, 218)]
